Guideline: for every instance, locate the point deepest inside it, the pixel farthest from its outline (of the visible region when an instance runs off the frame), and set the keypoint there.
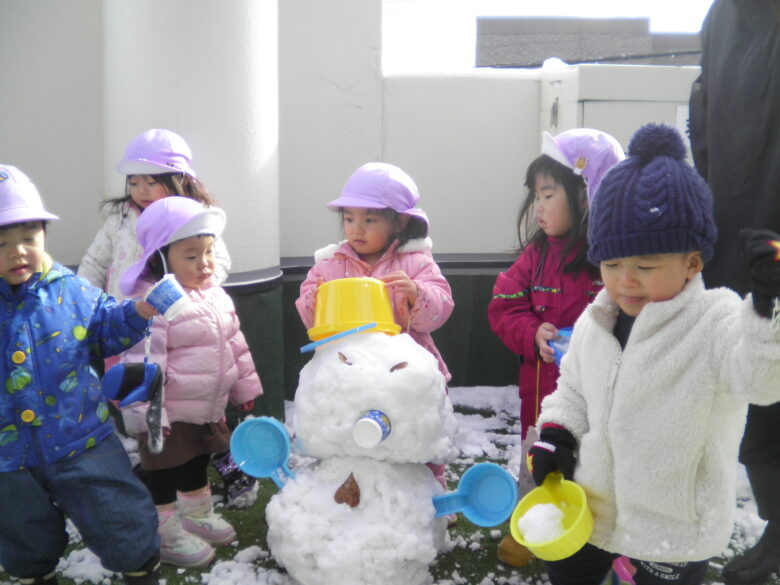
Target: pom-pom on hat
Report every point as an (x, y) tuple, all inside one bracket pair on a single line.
[(651, 203), (379, 185), (19, 199), (589, 153), (155, 152), (166, 221)]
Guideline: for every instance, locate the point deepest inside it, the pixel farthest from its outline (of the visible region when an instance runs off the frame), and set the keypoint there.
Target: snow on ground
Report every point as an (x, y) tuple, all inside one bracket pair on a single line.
[(488, 429)]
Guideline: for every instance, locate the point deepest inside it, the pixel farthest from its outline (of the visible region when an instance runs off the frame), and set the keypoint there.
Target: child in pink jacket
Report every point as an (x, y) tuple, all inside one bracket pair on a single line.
[(387, 238), (206, 362)]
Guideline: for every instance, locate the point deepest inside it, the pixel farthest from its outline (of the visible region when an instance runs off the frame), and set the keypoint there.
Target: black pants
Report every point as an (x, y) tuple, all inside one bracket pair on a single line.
[(761, 441), (590, 565), (187, 477)]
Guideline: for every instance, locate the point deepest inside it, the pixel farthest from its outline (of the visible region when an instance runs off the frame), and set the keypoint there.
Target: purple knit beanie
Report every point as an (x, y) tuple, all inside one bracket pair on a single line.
[(652, 202)]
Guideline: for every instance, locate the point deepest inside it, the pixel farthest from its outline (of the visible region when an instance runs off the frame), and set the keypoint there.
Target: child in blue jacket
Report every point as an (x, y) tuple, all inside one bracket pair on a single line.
[(59, 455)]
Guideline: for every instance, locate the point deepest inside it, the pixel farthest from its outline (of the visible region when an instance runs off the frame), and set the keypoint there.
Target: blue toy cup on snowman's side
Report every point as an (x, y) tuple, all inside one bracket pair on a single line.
[(486, 494), (261, 447)]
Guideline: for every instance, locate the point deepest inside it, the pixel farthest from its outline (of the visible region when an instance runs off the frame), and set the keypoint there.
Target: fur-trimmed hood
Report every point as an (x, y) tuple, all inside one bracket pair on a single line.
[(415, 245)]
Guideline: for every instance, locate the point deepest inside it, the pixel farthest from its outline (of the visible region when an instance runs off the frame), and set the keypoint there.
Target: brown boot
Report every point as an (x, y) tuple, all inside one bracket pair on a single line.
[(514, 554)]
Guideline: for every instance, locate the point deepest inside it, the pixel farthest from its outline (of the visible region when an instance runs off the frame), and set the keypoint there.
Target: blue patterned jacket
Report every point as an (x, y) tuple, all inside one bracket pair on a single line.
[(51, 403)]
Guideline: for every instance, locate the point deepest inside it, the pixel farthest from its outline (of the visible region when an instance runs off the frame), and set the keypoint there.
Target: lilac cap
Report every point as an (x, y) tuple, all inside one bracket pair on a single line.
[(588, 152), (168, 220), (155, 152), (378, 185), (19, 199)]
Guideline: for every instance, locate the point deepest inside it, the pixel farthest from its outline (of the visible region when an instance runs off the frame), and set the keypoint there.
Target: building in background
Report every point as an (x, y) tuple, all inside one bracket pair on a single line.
[(525, 42)]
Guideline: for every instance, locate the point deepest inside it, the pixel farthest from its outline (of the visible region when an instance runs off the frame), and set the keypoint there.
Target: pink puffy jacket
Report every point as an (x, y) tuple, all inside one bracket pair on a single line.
[(434, 302), (205, 359)]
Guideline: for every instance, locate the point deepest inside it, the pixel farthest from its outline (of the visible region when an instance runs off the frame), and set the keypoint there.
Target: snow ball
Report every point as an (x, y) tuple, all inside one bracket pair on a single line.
[(541, 523)]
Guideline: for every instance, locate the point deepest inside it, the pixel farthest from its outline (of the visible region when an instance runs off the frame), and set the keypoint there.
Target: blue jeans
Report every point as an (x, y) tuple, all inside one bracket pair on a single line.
[(98, 491)]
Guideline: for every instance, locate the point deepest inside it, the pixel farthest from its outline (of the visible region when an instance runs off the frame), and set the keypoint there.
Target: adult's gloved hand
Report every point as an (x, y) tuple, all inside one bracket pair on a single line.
[(762, 260), (554, 451)]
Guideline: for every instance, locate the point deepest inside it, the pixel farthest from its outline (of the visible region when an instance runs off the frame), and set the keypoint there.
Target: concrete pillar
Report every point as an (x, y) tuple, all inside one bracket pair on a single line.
[(208, 71)]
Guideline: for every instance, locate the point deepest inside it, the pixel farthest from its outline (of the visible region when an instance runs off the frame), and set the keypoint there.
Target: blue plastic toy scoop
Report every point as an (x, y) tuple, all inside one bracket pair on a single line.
[(261, 447), (560, 344), (486, 494)]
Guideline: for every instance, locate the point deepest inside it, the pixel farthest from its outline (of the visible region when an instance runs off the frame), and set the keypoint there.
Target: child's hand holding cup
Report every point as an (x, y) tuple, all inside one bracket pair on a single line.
[(168, 297)]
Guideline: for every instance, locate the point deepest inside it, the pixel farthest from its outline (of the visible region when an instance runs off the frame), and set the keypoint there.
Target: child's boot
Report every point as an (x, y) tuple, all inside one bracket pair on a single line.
[(512, 553), (240, 487), (198, 518), (177, 546), (149, 574)]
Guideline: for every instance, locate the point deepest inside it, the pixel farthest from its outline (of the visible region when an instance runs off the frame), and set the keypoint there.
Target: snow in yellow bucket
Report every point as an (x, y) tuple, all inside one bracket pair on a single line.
[(576, 520)]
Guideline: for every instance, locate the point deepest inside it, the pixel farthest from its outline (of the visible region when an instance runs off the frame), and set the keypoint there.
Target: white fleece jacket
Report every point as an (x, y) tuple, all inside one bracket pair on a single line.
[(658, 424)]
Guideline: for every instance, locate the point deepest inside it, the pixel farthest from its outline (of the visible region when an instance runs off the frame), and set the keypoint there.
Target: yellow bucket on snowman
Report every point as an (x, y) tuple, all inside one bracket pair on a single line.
[(347, 303)]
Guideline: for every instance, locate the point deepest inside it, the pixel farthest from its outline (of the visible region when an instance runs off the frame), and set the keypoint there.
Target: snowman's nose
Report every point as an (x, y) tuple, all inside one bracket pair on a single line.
[(371, 429)]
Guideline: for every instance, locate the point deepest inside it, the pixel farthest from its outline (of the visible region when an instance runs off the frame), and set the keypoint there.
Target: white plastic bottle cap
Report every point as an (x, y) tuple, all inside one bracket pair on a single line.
[(367, 433)]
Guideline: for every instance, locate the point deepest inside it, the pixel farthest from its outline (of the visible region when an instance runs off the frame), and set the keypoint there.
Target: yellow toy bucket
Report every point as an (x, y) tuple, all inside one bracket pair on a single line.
[(577, 521), (346, 303)]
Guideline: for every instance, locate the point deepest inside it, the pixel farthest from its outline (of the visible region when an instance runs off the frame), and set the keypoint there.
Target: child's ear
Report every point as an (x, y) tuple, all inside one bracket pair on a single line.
[(403, 221), (694, 264)]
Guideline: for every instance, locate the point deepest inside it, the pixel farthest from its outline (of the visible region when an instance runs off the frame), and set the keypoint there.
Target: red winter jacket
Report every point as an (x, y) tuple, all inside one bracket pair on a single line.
[(536, 290)]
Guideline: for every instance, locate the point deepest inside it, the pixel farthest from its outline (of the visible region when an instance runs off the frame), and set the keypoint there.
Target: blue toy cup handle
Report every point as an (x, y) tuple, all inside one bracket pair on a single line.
[(281, 474), (449, 504)]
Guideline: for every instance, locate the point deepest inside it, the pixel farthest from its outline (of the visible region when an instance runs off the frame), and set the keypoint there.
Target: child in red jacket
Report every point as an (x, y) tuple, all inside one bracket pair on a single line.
[(551, 282)]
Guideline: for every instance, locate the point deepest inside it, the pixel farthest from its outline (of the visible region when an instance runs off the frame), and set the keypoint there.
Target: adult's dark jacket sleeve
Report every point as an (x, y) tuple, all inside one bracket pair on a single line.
[(735, 127)]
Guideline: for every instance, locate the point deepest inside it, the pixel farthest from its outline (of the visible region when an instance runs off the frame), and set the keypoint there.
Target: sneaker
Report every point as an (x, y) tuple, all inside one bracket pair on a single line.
[(243, 498), (199, 518), (180, 548), (452, 520), (514, 554), (240, 487)]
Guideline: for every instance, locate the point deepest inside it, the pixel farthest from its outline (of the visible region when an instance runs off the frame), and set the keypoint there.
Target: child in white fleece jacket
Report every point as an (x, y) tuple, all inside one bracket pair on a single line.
[(653, 392)]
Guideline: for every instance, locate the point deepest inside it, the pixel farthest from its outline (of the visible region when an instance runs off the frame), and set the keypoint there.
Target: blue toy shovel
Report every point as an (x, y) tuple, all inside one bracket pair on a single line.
[(486, 494), (261, 447)]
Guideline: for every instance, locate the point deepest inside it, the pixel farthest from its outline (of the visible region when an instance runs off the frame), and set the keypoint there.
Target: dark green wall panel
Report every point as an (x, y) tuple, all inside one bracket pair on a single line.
[(260, 314)]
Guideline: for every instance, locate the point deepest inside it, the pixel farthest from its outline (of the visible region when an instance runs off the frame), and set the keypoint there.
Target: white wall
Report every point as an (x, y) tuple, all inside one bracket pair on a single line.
[(466, 140), (330, 111), (50, 104)]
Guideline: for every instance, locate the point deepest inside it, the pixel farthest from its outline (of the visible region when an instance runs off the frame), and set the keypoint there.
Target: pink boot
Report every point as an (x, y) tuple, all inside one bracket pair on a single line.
[(177, 546), (198, 518)]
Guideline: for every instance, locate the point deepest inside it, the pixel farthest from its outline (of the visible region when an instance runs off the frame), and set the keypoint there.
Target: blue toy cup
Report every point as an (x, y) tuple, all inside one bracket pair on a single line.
[(168, 297), (561, 344), (486, 494), (261, 447)]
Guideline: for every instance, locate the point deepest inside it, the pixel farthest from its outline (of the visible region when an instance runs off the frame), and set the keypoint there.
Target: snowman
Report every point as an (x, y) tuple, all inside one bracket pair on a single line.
[(370, 409)]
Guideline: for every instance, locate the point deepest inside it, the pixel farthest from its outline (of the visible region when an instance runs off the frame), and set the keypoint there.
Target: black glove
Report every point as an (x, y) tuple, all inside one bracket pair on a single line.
[(762, 260), (554, 451)]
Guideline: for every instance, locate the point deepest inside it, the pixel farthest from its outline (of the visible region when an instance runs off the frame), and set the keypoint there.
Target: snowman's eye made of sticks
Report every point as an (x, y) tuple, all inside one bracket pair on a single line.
[(344, 359), (399, 366)]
